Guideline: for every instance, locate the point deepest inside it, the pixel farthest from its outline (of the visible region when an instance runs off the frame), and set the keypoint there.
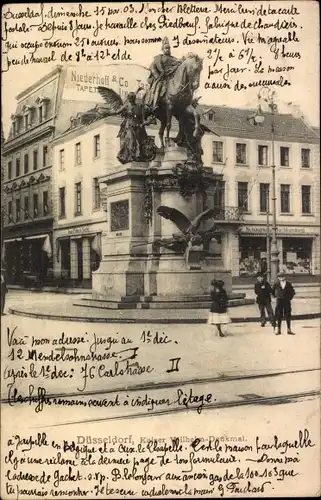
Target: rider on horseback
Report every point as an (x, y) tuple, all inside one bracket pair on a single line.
[(163, 66)]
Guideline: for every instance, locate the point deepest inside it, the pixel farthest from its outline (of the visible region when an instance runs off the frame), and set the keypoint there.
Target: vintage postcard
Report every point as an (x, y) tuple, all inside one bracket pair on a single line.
[(160, 250)]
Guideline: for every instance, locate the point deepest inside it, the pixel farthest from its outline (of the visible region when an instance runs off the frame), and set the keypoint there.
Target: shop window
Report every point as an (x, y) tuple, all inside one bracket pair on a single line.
[(96, 194), (285, 198), (284, 156), (35, 159), (97, 146), (264, 197), (305, 158), (78, 153), (17, 167), (252, 255), (9, 170), (240, 154), (45, 203), (35, 205), (242, 196), (17, 209), (306, 199), (62, 159), (62, 202), (26, 163), (297, 255), (217, 152), (262, 155), (78, 198), (26, 207), (45, 156)]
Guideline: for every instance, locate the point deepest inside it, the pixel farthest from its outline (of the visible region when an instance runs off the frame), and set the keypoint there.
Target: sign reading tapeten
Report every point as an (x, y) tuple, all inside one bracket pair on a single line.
[(82, 81)]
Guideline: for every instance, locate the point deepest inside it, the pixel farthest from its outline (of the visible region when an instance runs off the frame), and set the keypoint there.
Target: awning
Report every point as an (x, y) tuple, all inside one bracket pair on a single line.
[(37, 236), (11, 240)]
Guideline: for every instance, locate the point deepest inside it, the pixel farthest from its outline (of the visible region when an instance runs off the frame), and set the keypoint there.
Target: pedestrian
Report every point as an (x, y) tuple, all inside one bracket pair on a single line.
[(4, 290), (263, 291), (264, 266), (218, 315), (284, 293)]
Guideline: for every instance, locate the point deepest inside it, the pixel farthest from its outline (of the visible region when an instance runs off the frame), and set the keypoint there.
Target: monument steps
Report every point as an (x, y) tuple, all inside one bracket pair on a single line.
[(159, 302)]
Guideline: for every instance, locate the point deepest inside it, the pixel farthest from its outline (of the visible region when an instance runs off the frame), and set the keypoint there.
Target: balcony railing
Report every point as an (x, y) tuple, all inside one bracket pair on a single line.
[(228, 214)]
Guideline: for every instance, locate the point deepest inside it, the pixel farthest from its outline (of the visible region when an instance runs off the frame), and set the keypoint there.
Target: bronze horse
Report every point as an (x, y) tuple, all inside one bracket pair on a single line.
[(176, 99)]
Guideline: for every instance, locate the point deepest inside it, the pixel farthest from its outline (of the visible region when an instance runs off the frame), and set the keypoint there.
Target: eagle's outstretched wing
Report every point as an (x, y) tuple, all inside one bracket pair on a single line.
[(177, 217), (207, 214), (112, 99)]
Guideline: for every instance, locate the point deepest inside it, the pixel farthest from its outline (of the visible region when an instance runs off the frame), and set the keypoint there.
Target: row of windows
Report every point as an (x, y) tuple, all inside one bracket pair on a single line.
[(24, 212), (78, 198), (26, 164), (32, 117), (241, 155), (285, 198), (78, 155)]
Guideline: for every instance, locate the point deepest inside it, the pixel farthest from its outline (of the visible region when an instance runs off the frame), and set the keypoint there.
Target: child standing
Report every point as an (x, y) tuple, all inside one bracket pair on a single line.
[(218, 315)]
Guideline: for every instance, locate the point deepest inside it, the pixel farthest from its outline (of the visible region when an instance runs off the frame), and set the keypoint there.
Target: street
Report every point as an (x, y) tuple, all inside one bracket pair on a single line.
[(184, 384)]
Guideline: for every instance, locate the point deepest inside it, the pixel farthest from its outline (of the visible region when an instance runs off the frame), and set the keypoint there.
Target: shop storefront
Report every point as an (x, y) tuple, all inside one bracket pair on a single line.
[(297, 255), (78, 253), (28, 259), (252, 255), (298, 250)]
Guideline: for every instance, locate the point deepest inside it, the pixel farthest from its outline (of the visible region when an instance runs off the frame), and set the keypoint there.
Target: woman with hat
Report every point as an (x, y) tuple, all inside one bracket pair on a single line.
[(218, 315)]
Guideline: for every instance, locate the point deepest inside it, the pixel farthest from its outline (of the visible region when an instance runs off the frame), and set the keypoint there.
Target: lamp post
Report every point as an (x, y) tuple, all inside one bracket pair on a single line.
[(268, 96)]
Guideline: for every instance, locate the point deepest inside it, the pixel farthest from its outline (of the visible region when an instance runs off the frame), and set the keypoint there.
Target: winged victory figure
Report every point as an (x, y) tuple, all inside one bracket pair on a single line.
[(193, 240), (135, 144)]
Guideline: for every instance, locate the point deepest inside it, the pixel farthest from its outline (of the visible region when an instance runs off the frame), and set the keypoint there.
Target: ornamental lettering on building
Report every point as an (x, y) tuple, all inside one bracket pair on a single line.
[(280, 230), (82, 82), (78, 230)]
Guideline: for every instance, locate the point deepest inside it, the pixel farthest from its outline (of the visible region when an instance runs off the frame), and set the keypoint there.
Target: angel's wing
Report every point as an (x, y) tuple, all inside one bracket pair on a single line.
[(207, 214), (177, 217), (112, 99)]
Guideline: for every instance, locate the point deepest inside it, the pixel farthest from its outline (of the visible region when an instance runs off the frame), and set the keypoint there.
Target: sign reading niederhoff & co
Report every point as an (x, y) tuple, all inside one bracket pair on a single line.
[(280, 230), (82, 81)]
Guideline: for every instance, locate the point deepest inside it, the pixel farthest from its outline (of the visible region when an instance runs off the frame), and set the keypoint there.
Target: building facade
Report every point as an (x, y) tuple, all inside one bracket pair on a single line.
[(243, 154), (41, 113), (82, 154)]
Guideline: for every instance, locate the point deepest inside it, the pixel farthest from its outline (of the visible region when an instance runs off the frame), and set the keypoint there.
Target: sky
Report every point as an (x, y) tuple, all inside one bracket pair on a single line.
[(304, 89)]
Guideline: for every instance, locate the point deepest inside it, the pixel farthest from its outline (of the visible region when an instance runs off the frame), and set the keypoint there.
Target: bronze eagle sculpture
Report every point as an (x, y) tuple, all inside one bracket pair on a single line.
[(192, 240)]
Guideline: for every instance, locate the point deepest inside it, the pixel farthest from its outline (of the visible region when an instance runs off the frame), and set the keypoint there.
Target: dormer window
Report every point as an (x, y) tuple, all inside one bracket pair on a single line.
[(211, 116), (42, 103)]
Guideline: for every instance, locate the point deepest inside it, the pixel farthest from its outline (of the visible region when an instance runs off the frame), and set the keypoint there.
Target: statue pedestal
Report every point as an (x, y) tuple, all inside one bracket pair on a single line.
[(134, 269)]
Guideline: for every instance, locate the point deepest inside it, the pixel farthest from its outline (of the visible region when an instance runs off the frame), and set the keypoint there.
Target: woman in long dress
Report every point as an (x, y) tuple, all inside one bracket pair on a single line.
[(218, 315)]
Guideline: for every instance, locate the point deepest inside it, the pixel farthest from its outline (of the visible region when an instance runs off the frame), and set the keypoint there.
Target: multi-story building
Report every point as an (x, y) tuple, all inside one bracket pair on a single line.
[(80, 155), (243, 154), (42, 112)]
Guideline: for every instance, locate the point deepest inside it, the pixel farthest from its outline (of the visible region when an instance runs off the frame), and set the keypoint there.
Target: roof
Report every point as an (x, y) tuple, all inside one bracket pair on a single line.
[(233, 122)]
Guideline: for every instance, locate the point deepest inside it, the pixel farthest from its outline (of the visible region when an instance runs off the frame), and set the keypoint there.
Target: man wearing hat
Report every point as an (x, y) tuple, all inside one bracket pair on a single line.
[(263, 291), (163, 66), (284, 293)]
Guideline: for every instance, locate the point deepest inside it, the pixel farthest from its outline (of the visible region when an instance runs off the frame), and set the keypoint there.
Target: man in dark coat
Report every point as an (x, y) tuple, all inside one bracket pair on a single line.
[(3, 292), (284, 293), (263, 293)]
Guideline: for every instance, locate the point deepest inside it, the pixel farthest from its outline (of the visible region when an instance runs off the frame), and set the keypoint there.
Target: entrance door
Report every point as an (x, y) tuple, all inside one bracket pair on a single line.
[(79, 259), (65, 258)]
